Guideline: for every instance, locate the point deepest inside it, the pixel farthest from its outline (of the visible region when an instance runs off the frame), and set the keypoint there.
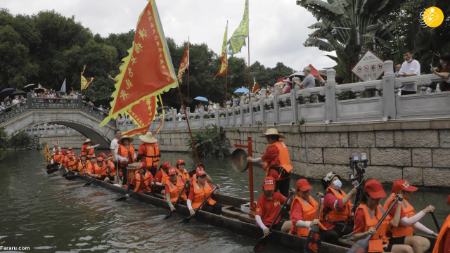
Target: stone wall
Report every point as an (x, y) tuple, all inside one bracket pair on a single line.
[(417, 150), (74, 141)]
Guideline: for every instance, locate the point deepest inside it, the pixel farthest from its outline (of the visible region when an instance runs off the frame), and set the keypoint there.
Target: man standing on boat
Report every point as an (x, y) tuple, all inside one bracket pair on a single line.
[(276, 158), (148, 152), (125, 156), (115, 145)]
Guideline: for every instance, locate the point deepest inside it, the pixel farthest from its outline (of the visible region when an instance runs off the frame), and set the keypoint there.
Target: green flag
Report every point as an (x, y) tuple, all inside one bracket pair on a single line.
[(237, 40)]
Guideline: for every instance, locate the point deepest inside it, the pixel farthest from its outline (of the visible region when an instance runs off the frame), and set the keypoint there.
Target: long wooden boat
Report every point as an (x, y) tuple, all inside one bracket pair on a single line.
[(232, 217)]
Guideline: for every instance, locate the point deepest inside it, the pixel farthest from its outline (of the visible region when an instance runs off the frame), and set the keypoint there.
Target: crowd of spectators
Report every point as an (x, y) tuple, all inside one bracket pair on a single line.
[(9, 103)]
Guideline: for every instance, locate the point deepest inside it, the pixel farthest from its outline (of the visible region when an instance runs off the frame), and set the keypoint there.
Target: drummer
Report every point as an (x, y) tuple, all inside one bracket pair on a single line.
[(409, 219), (125, 156), (143, 179)]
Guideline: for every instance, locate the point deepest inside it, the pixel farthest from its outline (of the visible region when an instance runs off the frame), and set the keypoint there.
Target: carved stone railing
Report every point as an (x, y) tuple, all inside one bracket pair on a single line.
[(37, 103), (352, 102)]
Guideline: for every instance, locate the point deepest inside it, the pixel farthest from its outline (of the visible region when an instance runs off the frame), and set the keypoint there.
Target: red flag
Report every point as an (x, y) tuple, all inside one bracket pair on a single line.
[(184, 64), (147, 70), (144, 112), (136, 131), (315, 73), (255, 87)]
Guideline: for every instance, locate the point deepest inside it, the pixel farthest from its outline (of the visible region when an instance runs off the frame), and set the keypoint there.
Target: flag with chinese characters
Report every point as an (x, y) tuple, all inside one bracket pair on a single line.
[(85, 82), (184, 64), (224, 57), (147, 70), (143, 112)]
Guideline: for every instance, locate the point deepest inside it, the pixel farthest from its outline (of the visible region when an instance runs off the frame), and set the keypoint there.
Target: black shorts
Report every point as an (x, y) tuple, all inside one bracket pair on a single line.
[(394, 241)]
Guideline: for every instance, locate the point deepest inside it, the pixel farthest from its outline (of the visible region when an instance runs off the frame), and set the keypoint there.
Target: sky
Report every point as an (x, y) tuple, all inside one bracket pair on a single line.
[(278, 28)]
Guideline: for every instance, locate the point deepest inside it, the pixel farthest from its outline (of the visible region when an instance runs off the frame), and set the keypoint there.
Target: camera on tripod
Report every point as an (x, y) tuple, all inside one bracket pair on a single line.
[(358, 165)]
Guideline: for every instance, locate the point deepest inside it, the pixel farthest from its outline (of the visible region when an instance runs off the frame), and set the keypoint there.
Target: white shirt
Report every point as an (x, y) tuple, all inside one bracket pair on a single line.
[(412, 67), (114, 147)]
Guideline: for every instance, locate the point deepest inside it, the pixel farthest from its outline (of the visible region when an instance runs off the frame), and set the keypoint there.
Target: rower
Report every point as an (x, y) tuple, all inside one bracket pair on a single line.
[(200, 168), (181, 171), (336, 212), (442, 244), (369, 213), (92, 160), (409, 219), (173, 188), (143, 179), (82, 164), (125, 156), (199, 191), (88, 148), (162, 176), (149, 153), (268, 206), (99, 169), (304, 209), (276, 157), (72, 162), (110, 166)]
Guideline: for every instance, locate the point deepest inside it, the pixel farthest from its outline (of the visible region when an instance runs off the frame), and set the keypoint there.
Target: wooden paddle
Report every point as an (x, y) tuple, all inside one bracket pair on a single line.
[(363, 244), (265, 239), (313, 240), (187, 219), (435, 221), (186, 185)]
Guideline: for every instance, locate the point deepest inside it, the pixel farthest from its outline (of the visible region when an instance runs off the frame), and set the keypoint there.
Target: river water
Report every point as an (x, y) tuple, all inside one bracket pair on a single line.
[(50, 214)]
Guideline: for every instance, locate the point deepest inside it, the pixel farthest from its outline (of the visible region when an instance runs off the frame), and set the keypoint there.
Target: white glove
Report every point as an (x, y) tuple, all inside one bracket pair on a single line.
[(191, 211), (172, 208), (266, 231)]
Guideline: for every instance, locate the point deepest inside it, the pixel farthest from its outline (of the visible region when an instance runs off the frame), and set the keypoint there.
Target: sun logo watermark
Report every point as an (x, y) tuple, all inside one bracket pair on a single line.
[(432, 17)]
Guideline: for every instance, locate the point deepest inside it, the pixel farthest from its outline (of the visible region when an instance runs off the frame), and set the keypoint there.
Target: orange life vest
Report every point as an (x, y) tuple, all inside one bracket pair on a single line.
[(82, 168), (379, 239), (183, 174), (200, 193), (442, 237), (57, 157), (89, 168), (127, 152), (161, 176), (283, 156), (175, 189), (407, 211), (309, 212), (99, 170), (72, 163), (143, 184), (111, 168), (335, 215), (151, 155)]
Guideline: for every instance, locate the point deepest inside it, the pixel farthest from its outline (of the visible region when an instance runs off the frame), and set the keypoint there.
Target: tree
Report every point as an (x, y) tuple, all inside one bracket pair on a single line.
[(349, 27)]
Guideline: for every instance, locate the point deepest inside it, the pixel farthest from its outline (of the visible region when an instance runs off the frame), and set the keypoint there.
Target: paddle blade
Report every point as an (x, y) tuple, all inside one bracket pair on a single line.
[(313, 241), (168, 215), (361, 246), (186, 220)]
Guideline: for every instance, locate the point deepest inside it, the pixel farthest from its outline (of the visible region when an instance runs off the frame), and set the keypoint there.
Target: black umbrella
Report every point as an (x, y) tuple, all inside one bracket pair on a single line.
[(18, 93), (6, 92)]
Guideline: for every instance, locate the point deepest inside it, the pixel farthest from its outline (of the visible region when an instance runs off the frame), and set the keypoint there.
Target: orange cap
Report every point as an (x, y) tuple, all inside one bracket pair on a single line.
[(374, 189), (303, 185), (172, 171), (165, 165), (274, 174), (402, 185), (100, 159), (269, 184), (181, 162), (102, 154)]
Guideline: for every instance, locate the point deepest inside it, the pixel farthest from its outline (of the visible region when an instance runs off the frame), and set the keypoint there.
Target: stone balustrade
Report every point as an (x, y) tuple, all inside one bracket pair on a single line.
[(376, 100)]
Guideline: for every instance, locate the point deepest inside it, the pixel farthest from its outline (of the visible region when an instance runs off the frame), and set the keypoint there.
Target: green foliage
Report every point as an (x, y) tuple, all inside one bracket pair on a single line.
[(20, 141), (211, 142), (47, 48)]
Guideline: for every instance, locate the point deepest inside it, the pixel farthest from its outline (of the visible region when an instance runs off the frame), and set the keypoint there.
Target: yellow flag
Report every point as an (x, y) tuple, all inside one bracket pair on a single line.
[(224, 57), (84, 82)]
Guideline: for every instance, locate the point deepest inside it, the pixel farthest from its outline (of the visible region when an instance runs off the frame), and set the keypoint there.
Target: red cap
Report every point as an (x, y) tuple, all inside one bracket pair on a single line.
[(274, 174), (402, 185), (172, 171), (83, 153), (91, 156), (102, 154), (181, 162), (165, 165), (100, 158), (303, 185), (374, 189), (269, 184)]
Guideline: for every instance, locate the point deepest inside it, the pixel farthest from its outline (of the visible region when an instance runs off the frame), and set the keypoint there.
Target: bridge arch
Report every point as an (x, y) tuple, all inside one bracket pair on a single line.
[(76, 115)]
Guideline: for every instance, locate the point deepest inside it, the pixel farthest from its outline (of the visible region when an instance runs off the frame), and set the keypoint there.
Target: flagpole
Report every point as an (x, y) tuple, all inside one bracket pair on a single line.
[(226, 71), (189, 66), (248, 45)]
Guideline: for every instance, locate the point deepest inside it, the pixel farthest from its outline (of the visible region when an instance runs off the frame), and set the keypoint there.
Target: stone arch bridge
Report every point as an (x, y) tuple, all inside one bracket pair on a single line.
[(73, 113)]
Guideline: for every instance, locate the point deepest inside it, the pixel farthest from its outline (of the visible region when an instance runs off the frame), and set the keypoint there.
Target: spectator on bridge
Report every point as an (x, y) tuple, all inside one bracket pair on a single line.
[(309, 81), (410, 67), (397, 69), (444, 72)]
